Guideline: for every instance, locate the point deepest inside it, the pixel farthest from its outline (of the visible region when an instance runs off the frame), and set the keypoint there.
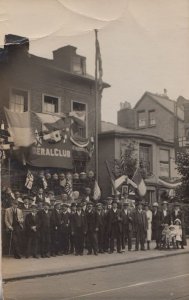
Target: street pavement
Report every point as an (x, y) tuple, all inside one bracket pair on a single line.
[(159, 279), (13, 269)]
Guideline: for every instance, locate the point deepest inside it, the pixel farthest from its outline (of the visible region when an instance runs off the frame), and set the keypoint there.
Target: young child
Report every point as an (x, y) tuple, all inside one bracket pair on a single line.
[(178, 229), (166, 236)]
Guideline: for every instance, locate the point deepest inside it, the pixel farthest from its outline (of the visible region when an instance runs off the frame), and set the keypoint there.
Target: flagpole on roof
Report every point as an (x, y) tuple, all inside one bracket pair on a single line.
[(96, 104)]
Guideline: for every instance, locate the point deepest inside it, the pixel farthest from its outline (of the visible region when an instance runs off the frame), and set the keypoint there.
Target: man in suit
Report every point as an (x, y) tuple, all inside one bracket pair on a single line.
[(44, 227), (14, 223), (156, 225), (140, 225), (115, 227), (56, 222), (32, 232), (100, 225), (73, 211), (127, 226), (65, 228), (106, 241), (78, 229), (92, 228)]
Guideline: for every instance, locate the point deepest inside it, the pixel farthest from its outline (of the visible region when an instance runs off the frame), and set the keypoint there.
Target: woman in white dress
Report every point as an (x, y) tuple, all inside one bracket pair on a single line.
[(149, 230)]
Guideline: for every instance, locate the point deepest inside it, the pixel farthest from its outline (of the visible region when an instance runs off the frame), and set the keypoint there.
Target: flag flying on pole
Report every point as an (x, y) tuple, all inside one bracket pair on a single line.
[(29, 180), (78, 116), (137, 178), (97, 191), (119, 181), (99, 64), (52, 121), (20, 127)]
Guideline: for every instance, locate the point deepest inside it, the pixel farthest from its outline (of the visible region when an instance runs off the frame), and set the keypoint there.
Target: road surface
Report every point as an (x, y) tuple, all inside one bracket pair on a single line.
[(159, 279)]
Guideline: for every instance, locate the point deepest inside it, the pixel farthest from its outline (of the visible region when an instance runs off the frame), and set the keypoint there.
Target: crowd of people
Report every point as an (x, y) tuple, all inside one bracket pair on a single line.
[(60, 221)]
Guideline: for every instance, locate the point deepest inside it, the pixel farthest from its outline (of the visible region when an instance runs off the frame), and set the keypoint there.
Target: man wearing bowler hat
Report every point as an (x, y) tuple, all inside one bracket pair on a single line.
[(32, 232), (45, 230)]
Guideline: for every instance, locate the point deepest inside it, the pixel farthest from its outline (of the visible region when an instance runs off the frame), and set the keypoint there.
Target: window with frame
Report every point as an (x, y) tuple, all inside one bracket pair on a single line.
[(78, 64), (18, 100), (164, 163), (50, 104), (145, 157), (79, 119), (151, 118), (141, 119)]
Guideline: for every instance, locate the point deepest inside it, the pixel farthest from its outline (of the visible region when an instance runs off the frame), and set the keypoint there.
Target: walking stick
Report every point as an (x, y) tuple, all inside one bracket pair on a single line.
[(10, 243)]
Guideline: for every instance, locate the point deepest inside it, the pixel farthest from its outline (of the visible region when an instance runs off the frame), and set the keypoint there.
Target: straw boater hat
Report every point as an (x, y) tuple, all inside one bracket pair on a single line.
[(155, 204)]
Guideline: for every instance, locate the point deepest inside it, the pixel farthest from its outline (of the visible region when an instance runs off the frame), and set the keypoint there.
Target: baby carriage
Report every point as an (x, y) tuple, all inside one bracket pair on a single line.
[(168, 237), (171, 235)]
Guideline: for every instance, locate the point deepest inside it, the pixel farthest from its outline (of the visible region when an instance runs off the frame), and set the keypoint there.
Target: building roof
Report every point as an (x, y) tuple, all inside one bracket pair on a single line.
[(164, 101), (108, 128)]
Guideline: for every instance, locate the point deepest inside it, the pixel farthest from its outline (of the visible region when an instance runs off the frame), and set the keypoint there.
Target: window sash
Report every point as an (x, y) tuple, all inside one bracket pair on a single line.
[(18, 101)]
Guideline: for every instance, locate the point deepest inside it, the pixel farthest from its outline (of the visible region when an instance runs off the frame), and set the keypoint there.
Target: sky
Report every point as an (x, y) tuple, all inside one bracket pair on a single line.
[(144, 43)]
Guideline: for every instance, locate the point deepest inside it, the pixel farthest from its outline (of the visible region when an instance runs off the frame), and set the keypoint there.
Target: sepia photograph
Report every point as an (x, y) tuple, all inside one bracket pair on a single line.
[(94, 149)]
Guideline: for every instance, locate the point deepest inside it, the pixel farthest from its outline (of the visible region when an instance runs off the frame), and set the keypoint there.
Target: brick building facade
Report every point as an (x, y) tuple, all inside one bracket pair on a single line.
[(49, 86)]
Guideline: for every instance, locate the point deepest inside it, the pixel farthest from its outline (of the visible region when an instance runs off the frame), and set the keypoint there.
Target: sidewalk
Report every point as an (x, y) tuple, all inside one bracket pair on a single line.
[(13, 269)]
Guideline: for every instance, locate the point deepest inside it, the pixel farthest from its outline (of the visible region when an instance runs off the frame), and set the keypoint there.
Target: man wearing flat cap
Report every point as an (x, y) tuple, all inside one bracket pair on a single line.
[(115, 227), (127, 225), (78, 229), (92, 229), (32, 232)]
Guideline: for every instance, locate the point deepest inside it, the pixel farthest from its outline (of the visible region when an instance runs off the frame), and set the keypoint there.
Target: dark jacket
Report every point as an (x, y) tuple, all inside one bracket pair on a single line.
[(165, 219), (44, 224), (78, 221), (55, 219), (140, 220), (31, 221), (127, 219), (114, 219), (91, 218)]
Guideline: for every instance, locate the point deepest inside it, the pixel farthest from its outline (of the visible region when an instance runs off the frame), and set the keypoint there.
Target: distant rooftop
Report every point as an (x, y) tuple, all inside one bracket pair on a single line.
[(166, 102)]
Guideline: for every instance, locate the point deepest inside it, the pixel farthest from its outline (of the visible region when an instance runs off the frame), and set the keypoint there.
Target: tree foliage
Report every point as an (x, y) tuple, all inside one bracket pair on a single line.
[(182, 192), (127, 163)]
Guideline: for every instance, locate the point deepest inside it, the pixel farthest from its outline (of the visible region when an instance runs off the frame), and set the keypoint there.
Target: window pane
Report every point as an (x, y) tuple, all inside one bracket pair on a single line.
[(164, 155), (164, 169), (18, 100), (152, 120), (141, 119), (79, 122), (145, 157), (50, 104)]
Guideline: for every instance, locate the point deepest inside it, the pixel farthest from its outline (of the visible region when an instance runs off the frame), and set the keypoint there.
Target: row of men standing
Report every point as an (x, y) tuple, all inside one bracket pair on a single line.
[(62, 232)]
